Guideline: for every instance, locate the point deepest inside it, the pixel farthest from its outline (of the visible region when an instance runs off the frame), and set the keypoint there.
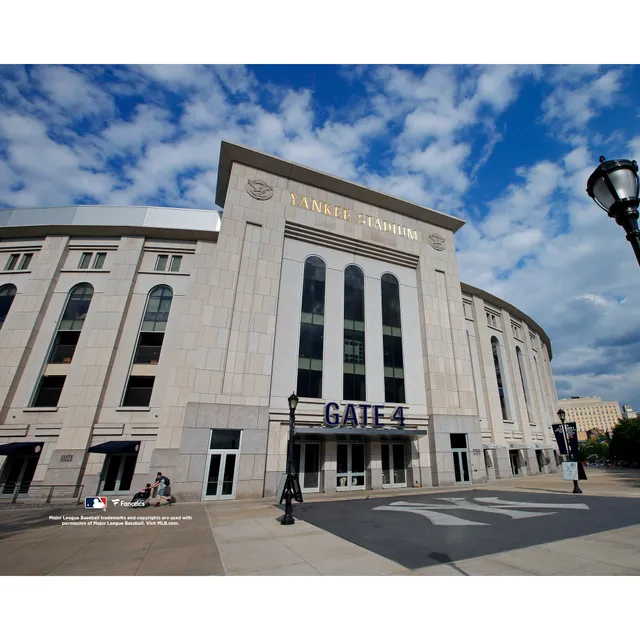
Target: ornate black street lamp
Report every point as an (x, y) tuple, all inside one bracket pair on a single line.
[(614, 188), (562, 415), (291, 472)]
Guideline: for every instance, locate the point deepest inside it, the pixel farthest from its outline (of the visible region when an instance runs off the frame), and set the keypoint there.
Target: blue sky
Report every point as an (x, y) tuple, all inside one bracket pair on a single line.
[(506, 147)]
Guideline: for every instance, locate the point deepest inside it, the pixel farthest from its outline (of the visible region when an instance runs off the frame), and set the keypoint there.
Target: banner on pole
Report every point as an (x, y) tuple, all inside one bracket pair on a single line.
[(558, 432), (572, 433)]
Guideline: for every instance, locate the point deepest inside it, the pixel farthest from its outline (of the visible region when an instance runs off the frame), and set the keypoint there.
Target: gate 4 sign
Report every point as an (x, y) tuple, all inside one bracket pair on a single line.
[(368, 415)]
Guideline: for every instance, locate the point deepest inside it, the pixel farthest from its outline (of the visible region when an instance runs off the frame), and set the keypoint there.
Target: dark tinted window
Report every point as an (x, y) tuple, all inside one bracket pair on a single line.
[(49, 391), (392, 340), (64, 346), (496, 364), (353, 379), (224, 439), (7, 294), (458, 441), (311, 348), (138, 393), (148, 349)]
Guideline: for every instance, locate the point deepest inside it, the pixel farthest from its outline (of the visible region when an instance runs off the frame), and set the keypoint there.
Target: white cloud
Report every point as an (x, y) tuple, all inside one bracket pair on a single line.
[(72, 92), (573, 103)]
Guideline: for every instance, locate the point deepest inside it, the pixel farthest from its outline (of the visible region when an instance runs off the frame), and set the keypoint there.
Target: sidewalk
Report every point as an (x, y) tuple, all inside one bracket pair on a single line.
[(35, 546)]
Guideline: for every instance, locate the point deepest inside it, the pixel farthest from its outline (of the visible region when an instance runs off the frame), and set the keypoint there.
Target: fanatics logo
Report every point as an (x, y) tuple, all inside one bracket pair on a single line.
[(95, 503)]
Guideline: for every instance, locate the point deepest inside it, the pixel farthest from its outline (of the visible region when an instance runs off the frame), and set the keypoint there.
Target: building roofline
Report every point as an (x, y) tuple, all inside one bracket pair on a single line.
[(231, 152), (42, 231), (514, 311)]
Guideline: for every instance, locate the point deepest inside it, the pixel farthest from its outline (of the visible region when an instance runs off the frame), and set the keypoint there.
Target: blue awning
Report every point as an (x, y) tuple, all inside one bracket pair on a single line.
[(116, 446), (22, 448)]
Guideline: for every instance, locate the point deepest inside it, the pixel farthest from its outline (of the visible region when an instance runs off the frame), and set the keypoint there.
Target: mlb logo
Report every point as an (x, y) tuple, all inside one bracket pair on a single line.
[(95, 503)]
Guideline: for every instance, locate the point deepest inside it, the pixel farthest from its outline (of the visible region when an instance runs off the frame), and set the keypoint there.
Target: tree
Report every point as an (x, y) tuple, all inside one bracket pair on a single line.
[(597, 447), (625, 441)]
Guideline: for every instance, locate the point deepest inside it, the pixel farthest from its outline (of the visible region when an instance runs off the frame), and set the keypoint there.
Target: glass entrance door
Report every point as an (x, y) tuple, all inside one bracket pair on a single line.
[(306, 460), (221, 475), (460, 458), (221, 471), (461, 467), (118, 472), (394, 468), (350, 466)]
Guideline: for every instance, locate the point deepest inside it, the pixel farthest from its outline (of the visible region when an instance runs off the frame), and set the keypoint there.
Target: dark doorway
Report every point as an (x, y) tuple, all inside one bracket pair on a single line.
[(19, 470), (514, 457)]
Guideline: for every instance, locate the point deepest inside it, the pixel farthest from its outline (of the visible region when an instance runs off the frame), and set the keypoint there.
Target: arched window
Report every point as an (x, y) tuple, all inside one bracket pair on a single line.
[(64, 344), (496, 363), (7, 294), (156, 313), (392, 340), (311, 329), (354, 387), (148, 347), (524, 380)]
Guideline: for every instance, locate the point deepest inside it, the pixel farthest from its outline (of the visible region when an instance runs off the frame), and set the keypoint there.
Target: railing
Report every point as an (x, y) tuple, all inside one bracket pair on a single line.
[(40, 493)]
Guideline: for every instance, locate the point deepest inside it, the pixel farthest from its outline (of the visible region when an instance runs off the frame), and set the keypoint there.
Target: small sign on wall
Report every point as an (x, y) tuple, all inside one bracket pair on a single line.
[(66, 458)]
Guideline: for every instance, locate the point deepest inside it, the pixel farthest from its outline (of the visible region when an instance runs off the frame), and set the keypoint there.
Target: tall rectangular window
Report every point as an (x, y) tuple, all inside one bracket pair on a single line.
[(161, 263), (310, 353), (176, 261), (85, 261), (501, 392), (394, 390), (354, 387), (12, 261), (64, 344), (99, 261), (149, 346), (26, 261)]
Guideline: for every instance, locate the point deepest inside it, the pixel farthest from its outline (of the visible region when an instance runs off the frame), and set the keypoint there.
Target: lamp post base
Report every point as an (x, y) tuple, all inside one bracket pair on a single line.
[(576, 487), (288, 518)]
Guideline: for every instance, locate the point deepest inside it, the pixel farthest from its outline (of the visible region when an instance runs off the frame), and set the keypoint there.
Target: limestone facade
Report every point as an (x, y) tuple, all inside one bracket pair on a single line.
[(217, 420)]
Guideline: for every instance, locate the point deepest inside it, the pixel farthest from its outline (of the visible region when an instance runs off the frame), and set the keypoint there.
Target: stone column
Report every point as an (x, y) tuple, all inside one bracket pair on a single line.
[(375, 464), (329, 467)]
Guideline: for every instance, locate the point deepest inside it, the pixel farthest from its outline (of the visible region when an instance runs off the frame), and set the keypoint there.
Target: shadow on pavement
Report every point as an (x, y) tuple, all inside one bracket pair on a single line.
[(15, 521), (443, 558)]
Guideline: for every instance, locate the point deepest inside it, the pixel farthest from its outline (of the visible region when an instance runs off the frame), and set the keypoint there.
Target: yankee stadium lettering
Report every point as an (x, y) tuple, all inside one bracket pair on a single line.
[(324, 208)]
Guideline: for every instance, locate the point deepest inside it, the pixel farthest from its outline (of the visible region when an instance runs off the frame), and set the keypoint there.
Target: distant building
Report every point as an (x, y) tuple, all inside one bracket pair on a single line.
[(591, 414), (628, 412)]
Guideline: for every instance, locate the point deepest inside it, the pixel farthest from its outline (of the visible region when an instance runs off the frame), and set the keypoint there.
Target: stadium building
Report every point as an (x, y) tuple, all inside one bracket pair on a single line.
[(143, 339)]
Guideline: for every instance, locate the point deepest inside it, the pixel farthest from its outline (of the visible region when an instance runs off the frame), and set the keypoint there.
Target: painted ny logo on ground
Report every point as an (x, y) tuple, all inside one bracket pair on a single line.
[(512, 509)]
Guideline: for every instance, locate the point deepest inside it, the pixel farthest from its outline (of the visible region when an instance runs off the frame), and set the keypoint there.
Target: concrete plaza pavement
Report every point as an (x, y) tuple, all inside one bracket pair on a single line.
[(33, 544), (245, 538)]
